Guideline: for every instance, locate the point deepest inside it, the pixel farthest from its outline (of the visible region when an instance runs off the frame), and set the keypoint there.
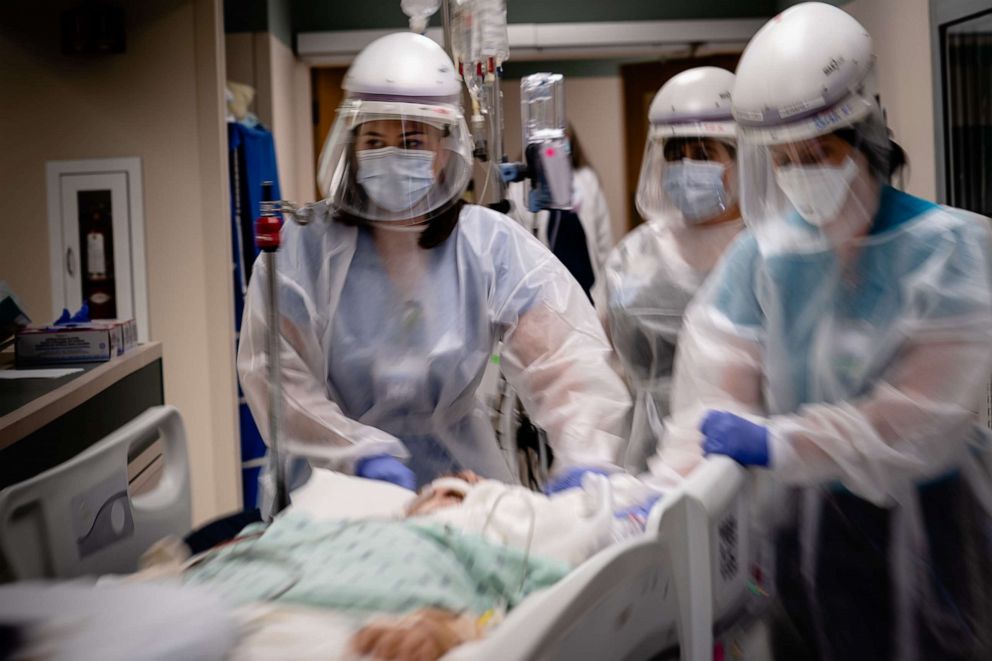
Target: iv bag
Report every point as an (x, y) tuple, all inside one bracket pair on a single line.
[(546, 146)]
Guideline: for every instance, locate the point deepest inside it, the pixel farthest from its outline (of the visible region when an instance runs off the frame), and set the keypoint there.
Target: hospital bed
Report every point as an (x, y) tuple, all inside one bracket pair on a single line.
[(670, 587)]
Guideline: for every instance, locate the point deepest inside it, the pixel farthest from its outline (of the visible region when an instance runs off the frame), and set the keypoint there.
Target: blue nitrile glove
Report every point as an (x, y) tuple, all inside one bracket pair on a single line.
[(82, 316), (387, 469), (741, 440), (572, 479)]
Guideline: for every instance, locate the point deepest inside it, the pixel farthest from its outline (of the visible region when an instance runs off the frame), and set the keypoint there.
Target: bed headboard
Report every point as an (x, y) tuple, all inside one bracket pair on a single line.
[(83, 517)]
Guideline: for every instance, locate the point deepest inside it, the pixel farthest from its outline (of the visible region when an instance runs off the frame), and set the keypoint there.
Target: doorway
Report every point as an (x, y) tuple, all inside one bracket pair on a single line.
[(326, 92), (962, 64), (964, 105)]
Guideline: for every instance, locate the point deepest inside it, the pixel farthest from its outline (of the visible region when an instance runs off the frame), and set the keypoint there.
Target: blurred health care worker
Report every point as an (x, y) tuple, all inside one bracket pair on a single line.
[(588, 205), (852, 326), (391, 304), (688, 195)]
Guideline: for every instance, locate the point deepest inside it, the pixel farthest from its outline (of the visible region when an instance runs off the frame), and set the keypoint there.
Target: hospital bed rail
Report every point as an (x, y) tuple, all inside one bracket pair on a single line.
[(80, 517), (644, 596)]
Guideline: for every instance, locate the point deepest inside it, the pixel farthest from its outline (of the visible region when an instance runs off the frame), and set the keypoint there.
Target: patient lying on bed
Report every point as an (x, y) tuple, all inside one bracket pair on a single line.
[(459, 555)]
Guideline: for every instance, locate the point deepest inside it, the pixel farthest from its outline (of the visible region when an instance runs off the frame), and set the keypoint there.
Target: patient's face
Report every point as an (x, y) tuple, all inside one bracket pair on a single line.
[(436, 495)]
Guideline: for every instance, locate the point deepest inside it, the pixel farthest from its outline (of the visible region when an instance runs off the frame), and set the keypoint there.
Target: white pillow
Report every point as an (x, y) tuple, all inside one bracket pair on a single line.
[(329, 495)]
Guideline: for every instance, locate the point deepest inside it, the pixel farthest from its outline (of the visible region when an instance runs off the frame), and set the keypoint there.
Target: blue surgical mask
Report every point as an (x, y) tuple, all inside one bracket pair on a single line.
[(396, 179), (696, 188)]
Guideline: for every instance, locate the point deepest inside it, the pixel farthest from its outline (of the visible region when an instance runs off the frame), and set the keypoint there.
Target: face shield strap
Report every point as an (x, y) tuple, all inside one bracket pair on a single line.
[(454, 100), (837, 92), (725, 129), (441, 116), (850, 111)]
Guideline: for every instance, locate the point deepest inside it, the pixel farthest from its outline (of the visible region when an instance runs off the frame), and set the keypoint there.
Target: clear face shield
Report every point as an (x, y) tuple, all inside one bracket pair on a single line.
[(811, 193), (395, 161), (688, 180)]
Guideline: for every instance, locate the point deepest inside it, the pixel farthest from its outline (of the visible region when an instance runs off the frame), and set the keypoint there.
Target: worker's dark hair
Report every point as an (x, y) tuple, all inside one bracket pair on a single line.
[(578, 155), (438, 227), (886, 160)]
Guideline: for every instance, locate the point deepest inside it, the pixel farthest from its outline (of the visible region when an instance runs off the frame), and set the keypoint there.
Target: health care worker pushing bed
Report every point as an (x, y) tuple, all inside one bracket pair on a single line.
[(393, 298), (843, 344)]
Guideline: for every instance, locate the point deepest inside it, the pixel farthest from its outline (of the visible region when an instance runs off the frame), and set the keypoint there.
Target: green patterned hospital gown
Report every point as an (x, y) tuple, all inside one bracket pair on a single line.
[(380, 566)]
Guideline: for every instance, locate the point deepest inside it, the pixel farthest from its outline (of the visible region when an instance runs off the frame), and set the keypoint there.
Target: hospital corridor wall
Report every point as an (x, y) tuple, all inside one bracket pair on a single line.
[(282, 103), (901, 35), (161, 101)]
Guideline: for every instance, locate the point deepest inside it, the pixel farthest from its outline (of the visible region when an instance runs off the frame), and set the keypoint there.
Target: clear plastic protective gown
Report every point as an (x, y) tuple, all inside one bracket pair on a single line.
[(651, 277), (382, 353), (869, 363)]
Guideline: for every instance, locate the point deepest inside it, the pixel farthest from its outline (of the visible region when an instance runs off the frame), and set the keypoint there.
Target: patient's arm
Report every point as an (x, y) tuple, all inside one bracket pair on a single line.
[(424, 635)]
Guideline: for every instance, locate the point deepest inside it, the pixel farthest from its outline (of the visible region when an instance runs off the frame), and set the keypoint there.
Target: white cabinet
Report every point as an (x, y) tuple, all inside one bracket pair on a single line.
[(97, 241)]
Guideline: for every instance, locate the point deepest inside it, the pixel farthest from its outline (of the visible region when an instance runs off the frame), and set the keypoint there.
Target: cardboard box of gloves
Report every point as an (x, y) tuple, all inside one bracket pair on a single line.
[(89, 342)]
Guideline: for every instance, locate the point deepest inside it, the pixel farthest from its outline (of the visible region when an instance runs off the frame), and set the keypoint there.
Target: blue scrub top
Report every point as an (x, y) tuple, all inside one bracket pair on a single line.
[(802, 304), (411, 366)]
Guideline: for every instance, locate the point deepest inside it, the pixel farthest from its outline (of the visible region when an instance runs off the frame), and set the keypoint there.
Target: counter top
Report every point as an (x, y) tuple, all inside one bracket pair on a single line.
[(27, 405)]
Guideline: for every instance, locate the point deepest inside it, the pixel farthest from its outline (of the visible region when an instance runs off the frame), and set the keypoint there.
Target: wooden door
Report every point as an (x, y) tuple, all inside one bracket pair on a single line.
[(327, 94)]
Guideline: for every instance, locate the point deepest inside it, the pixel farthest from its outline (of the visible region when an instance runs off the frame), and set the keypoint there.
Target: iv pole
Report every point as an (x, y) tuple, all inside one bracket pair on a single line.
[(268, 227)]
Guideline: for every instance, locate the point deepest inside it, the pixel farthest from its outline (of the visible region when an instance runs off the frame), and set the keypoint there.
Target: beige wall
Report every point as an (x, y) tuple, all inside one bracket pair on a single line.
[(160, 101), (292, 124), (239, 59), (900, 30), (282, 103), (594, 105)]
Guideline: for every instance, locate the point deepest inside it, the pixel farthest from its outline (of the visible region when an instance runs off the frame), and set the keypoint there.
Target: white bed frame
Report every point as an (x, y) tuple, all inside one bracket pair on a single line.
[(641, 598)]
